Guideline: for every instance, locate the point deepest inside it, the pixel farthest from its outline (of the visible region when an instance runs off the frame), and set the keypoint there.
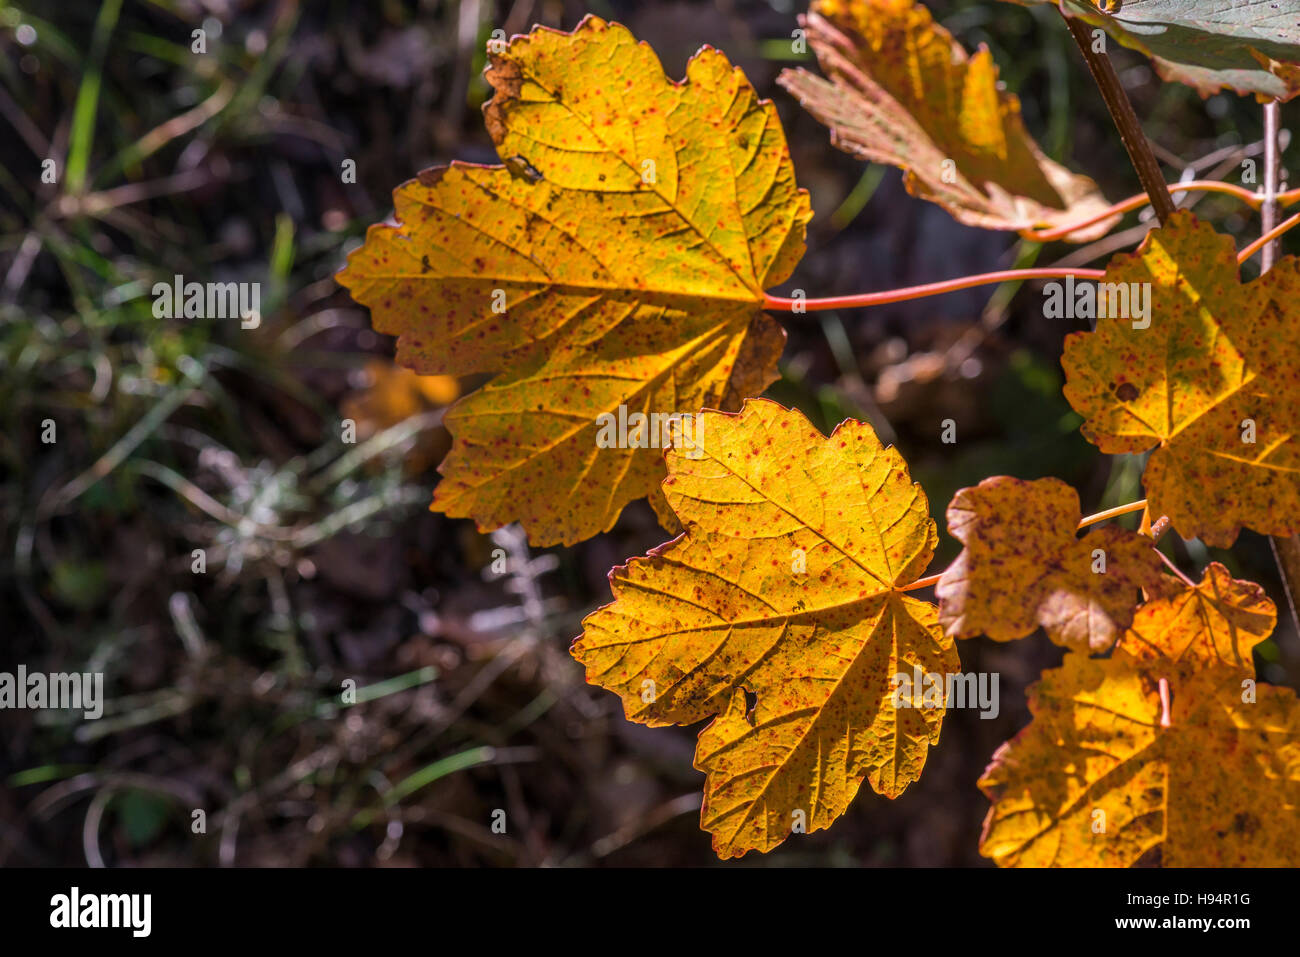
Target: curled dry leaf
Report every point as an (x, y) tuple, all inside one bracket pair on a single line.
[(902, 91), (1241, 45), (615, 264), (1209, 378), (784, 588), (1096, 780), (1218, 621), (1024, 565)]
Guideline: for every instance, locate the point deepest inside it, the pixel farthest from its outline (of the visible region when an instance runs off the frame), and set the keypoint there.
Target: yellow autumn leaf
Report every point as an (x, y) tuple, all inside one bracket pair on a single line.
[(612, 269), (1098, 780), (1204, 373), (902, 91), (779, 614), (1023, 565), (1217, 621)]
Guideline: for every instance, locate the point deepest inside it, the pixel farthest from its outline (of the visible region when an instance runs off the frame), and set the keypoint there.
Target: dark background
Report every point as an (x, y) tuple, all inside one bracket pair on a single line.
[(323, 567)]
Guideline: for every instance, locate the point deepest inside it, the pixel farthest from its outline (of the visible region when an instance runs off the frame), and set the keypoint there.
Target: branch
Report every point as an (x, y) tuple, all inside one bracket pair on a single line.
[(1121, 110), (1286, 549), (1269, 211)]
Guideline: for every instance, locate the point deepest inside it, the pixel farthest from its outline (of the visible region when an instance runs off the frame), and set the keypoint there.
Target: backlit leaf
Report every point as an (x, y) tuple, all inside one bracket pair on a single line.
[(626, 242), (1095, 780), (1244, 45), (902, 91), (785, 587), (1208, 379), (1218, 621), (1024, 566)]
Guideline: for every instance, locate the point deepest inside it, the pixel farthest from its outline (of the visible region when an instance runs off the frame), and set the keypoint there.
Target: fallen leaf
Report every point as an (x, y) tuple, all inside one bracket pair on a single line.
[(784, 588), (902, 91), (1096, 781), (1241, 45), (1207, 379), (1023, 565), (614, 266), (1218, 621)]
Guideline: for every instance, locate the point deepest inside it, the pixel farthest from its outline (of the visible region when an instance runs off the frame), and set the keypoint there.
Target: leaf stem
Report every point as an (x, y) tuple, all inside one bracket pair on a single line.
[(1267, 238), (1138, 200), (1169, 563), (1121, 110), (928, 289), (925, 582), (1113, 513)]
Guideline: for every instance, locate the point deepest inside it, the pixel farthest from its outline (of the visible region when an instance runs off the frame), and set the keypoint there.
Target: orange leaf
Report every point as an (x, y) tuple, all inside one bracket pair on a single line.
[(1096, 780), (1207, 378), (615, 265), (902, 91), (1024, 565), (392, 395), (1218, 621), (785, 587)]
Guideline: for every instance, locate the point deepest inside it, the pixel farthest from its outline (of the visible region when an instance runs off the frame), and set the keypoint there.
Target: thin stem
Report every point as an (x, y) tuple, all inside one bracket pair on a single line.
[(1169, 563), (923, 582), (1265, 240), (1113, 513), (928, 289), (1138, 200), (1121, 110), (1286, 552)]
